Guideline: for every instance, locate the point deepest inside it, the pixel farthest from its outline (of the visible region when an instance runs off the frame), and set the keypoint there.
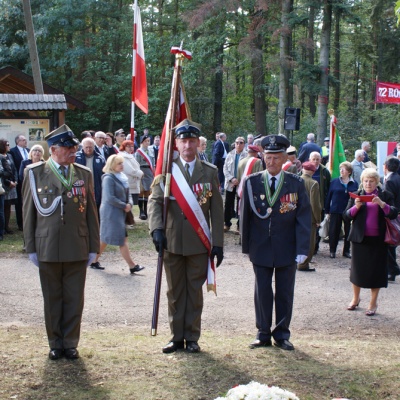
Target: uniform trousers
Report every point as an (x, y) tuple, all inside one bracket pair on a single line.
[(185, 278), (264, 300), (63, 286)]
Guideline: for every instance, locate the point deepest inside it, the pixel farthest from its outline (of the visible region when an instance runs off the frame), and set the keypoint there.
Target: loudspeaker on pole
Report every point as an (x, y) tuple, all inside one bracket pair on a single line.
[(292, 119)]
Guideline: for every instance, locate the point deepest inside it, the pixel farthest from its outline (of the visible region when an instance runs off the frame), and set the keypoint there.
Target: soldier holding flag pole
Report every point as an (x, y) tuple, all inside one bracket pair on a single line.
[(186, 223)]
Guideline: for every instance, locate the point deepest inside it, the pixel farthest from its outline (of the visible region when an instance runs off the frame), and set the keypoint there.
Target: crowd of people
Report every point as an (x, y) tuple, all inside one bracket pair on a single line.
[(278, 199)]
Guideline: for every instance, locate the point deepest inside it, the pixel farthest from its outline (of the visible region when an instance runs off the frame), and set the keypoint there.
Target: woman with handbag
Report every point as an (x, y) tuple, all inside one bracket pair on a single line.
[(115, 203), (367, 236)]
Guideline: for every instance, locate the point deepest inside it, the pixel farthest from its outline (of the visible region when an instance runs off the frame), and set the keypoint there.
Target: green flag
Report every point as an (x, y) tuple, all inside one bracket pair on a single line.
[(337, 156)]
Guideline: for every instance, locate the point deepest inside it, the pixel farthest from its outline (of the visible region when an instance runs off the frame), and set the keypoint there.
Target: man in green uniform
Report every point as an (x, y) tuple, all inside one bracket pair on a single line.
[(188, 242), (61, 232)]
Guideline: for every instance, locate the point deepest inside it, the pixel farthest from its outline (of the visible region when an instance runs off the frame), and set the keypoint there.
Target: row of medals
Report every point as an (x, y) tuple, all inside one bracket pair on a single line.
[(203, 197), (78, 196)]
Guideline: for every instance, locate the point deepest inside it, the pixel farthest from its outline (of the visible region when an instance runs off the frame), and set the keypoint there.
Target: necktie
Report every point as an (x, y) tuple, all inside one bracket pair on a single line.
[(63, 171), (272, 188), (25, 154), (187, 170)]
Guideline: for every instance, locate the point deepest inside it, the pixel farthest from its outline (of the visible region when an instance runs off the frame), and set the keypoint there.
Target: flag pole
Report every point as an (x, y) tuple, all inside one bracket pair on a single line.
[(167, 171), (134, 50), (139, 81)]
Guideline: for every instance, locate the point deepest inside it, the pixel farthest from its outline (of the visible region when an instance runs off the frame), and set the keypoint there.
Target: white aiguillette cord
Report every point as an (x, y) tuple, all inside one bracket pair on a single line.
[(45, 212)]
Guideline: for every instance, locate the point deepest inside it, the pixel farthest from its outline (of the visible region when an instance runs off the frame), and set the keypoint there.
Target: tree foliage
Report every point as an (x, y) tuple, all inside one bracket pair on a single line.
[(239, 80)]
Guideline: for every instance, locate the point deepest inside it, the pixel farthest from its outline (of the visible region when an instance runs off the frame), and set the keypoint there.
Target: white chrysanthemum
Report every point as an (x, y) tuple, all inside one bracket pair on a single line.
[(257, 391)]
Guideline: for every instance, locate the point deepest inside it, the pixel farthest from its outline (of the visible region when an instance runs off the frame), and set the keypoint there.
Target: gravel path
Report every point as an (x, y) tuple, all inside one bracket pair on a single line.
[(113, 298)]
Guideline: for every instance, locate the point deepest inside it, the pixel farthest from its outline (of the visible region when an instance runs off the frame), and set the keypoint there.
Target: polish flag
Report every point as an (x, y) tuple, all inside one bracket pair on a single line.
[(139, 81)]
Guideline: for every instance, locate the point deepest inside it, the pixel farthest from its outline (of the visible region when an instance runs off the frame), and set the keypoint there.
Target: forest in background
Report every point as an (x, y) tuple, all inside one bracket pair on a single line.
[(251, 59)]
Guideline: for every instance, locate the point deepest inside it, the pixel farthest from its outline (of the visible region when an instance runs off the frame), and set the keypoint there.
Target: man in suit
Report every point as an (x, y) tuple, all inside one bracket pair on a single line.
[(220, 152), (366, 148), (61, 232), (95, 162), (308, 148), (312, 189), (190, 243), (392, 184), (101, 147), (275, 225), (19, 153), (154, 148)]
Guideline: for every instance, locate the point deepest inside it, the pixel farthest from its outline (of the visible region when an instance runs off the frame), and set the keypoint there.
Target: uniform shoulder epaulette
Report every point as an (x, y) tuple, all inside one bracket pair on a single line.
[(294, 176), (208, 164), (255, 174), (76, 165), (35, 165)]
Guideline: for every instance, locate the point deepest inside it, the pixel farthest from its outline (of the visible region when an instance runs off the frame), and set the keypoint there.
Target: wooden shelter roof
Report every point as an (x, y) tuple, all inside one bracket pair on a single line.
[(15, 82), (27, 102)]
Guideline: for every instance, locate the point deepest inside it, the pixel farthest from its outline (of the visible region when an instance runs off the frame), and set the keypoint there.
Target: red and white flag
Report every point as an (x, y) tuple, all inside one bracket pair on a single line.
[(139, 81)]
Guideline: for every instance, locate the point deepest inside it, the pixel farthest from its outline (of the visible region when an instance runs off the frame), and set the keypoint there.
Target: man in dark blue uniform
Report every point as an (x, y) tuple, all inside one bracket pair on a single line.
[(275, 224)]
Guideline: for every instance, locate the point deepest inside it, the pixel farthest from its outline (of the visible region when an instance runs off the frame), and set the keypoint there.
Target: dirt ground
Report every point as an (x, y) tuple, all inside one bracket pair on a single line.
[(114, 298)]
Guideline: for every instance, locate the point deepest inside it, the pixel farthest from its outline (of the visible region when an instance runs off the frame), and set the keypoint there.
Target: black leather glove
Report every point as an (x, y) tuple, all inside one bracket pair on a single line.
[(159, 239), (219, 253)]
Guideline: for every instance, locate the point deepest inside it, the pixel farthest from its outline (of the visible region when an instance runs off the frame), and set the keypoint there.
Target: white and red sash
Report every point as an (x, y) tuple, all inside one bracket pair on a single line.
[(190, 206), (146, 158), (287, 165), (247, 171)]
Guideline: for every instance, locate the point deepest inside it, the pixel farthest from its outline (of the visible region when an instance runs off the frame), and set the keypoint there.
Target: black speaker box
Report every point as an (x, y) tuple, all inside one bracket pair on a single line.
[(292, 119)]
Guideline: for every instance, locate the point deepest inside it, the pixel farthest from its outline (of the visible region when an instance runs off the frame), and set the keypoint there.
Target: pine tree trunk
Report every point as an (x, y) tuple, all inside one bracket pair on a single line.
[(323, 97), (284, 64), (336, 69), (258, 78)]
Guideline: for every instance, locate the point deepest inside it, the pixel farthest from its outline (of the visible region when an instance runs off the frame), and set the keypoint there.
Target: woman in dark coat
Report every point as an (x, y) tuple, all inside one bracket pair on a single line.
[(10, 180), (336, 202), (367, 233), (115, 203)]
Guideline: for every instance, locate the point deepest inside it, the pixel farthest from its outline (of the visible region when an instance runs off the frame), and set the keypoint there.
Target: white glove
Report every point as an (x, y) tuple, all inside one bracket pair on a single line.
[(34, 259), (300, 258), (92, 257)]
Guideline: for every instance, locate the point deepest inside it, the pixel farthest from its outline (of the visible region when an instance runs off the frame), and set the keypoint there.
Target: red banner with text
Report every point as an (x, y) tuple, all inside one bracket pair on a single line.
[(387, 92)]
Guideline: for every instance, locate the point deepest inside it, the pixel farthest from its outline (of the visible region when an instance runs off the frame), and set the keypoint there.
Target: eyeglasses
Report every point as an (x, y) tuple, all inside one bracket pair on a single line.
[(39, 151), (239, 142), (7, 144)]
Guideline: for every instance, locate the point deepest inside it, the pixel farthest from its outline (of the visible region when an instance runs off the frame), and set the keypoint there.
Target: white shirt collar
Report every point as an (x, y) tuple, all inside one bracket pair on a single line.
[(278, 176), (191, 165)]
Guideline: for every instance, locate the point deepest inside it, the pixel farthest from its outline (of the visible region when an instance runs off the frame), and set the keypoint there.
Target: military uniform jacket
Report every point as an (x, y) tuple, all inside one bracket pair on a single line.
[(53, 238), (181, 237), (312, 189), (277, 240), (148, 175)]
